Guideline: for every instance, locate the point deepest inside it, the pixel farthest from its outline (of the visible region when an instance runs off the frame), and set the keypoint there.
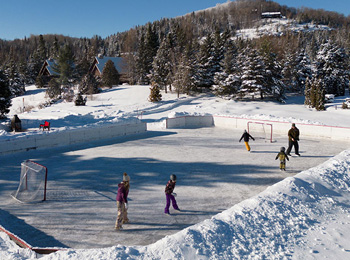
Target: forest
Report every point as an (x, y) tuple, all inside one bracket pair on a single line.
[(197, 52)]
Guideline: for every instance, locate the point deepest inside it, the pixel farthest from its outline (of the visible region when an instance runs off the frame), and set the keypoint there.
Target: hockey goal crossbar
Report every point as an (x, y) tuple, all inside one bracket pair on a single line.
[(268, 125)]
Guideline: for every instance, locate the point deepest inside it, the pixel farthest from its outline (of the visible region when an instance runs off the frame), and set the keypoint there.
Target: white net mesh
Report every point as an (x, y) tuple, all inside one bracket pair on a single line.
[(32, 185), (260, 130)]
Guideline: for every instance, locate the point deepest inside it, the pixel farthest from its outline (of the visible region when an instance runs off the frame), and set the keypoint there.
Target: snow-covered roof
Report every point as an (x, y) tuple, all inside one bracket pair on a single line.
[(118, 63)]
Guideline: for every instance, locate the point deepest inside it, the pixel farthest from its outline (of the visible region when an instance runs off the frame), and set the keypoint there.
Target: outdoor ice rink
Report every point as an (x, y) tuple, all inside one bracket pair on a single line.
[(214, 173)]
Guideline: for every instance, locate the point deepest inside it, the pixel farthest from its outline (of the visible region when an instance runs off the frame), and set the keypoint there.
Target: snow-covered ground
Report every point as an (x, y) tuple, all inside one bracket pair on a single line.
[(305, 216)]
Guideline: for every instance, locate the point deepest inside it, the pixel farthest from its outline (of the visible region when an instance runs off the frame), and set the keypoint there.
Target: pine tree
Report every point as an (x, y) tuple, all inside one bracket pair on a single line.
[(253, 75), (5, 95), (110, 75), (155, 95), (141, 62), (162, 63), (206, 64), (307, 92), (65, 65), (227, 81), (331, 65), (273, 84), (54, 89), (16, 82), (302, 70), (88, 85)]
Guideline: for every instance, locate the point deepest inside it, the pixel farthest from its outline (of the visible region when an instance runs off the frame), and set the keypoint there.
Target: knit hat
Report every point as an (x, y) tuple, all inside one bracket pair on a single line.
[(126, 177), (283, 149)]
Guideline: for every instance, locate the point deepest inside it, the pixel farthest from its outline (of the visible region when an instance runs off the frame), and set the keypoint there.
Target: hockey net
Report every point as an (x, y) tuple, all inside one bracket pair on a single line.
[(260, 130), (32, 184)]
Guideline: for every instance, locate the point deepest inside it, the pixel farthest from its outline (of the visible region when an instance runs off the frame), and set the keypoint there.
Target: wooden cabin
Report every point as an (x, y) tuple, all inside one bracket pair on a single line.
[(47, 72), (99, 63)]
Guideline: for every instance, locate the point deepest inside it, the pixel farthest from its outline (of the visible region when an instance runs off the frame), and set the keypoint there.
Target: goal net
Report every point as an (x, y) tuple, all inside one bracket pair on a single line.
[(260, 130), (32, 184)]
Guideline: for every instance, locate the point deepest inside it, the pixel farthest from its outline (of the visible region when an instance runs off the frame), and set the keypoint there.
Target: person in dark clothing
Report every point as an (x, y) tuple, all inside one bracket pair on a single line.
[(293, 138), (282, 156), (245, 137), (170, 195)]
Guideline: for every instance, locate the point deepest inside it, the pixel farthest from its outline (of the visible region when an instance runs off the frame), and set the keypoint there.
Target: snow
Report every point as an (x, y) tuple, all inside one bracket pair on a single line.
[(242, 207)]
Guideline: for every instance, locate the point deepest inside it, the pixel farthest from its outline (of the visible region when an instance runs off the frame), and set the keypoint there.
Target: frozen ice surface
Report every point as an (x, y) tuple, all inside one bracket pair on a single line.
[(214, 173)]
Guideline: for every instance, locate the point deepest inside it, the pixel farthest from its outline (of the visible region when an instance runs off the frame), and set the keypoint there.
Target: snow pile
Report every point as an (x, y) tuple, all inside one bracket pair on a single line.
[(275, 118), (275, 224), (278, 27), (10, 251)]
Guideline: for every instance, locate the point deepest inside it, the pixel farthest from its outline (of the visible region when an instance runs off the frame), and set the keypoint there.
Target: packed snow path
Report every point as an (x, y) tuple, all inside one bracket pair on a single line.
[(214, 173)]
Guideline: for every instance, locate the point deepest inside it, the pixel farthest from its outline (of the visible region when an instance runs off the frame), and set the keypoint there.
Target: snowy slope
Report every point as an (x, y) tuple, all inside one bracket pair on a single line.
[(305, 216)]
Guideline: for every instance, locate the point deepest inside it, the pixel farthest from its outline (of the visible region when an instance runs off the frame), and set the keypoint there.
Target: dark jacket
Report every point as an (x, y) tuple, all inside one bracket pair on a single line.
[(170, 186), (293, 133), (246, 137), (122, 193)]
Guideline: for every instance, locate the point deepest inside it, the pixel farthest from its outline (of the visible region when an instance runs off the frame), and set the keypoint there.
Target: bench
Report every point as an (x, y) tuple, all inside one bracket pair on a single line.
[(46, 125)]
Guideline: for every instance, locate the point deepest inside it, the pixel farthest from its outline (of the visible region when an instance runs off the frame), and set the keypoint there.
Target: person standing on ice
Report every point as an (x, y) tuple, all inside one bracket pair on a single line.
[(126, 181), (282, 156), (245, 137), (170, 195), (121, 204), (293, 138)]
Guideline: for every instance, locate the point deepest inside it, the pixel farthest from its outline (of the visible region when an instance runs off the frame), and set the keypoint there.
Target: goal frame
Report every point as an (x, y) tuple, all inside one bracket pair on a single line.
[(269, 125), (26, 178)]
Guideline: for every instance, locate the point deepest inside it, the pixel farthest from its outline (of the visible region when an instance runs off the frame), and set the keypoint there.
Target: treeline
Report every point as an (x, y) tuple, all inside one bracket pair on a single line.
[(197, 52)]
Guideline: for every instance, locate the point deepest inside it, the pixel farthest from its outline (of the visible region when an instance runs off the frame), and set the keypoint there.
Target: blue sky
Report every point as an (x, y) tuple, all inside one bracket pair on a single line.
[(85, 18)]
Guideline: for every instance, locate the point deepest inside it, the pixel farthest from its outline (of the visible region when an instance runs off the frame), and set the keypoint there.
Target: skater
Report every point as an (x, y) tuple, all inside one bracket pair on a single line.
[(121, 205), (170, 195), (126, 180), (245, 137), (282, 156), (293, 138)]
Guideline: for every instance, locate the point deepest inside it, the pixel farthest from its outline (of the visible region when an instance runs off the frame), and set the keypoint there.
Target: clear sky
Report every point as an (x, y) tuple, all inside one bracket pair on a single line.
[(86, 18)]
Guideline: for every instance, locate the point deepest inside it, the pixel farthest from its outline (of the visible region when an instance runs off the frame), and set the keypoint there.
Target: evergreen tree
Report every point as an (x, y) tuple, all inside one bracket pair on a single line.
[(141, 61), (206, 64), (110, 75), (54, 89), (273, 84), (227, 81), (253, 75), (307, 93), (151, 46), (39, 82), (302, 70), (80, 101), (65, 65), (88, 85), (162, 63), (16, 82), (5, 95), (155, 95), (331, 65)]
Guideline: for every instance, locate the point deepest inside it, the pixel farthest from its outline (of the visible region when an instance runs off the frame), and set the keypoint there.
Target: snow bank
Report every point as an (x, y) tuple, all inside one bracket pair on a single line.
[(44, 139), (271, 225), (278, 127)]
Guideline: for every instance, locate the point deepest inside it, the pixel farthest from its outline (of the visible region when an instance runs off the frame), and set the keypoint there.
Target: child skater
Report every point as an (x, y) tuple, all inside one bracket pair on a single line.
[(126, 180), (282, 156), (122, 202), (170, 195), (245, 137)]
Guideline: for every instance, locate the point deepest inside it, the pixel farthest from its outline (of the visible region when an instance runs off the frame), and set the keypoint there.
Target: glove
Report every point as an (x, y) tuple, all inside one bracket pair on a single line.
[(174, 194), (126, 205)]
